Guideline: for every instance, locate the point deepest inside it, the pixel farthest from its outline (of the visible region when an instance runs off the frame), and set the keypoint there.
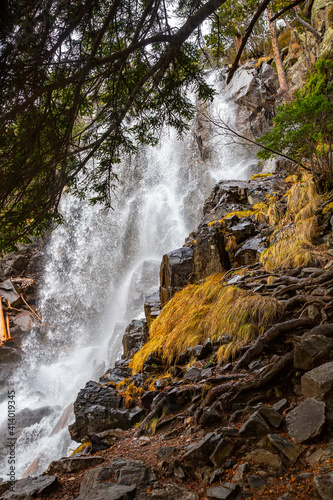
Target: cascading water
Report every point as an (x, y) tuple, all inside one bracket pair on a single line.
[(95, 260)]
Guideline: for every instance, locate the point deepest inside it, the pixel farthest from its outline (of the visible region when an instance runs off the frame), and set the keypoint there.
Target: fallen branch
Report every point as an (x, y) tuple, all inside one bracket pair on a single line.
[(33, 312)]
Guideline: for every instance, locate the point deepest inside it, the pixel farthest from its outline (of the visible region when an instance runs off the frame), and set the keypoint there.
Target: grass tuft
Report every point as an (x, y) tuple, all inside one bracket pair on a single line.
[(207, 311), (292, 238)]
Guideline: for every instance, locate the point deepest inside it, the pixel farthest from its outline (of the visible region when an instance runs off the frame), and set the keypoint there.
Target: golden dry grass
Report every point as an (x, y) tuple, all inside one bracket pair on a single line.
[(207, 311), (292, 238)]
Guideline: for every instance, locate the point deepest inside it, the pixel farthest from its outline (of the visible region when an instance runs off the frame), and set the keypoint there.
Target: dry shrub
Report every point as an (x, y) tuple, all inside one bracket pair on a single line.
[(131, 395), (207, 311)]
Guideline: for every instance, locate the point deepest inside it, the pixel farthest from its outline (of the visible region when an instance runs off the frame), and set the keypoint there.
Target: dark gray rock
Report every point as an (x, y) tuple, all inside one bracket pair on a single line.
[(271, 416), (209, 253), (227, 491), (254, 426), (250, 251), (306, 421), (222, 452), (110, 491), (318, 383), (265, 458), (8, 292), (175, 273), (280, 404), (97, 409), (240, 473), (201, 451), (172, 491), (289, 450), (132, 472), (9, 354), (136, 334), (32, 487), (93, 477), (312, 352), (114, 375), (152, 307), (323, 485), (24, 321), (73, 464), (255, 481), (192, 373)]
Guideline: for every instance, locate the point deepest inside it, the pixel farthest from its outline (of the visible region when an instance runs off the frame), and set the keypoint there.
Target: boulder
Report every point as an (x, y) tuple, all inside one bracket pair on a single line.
[(172, 491), (323, 484), (115, 375), (318, 383), (24, 321), (249, 252), (209, 253), (192, 373), (110, 491), (8, 292), (223, 451), (152, 307), (265, 458), (289, 450), (226, 491), (254, 426), (73, 464), (93, 477), (175, 273), (312, 352), (132, 472), (306, 421), (136, 334), (32, 487), (97, 409), (201, 451)]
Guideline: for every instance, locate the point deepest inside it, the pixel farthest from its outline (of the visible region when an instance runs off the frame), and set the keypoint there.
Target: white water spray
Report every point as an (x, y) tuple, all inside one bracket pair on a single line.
[(92, 261)]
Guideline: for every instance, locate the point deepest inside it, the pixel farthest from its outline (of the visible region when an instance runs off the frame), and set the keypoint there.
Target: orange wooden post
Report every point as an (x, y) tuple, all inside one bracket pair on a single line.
[(3, 332), (8, 329)]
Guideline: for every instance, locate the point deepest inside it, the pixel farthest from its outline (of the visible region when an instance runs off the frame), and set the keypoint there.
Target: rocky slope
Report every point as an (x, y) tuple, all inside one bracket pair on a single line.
[(257, 423)]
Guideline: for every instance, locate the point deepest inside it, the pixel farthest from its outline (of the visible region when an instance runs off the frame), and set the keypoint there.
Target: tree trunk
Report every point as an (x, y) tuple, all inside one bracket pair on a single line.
[(277, 56)]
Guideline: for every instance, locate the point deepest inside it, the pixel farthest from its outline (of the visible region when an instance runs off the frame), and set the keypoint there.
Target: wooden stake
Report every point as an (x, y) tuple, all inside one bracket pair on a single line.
[(8, 329), (3, 332)]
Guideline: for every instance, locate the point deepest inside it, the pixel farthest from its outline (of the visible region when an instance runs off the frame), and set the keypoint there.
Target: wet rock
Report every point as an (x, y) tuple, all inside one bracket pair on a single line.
[(222, 452), (152, 307), (8, 292), (289, 450), (254, 426), (97, 409), (306, 421), (211, 414), (114, 375), (132, 472), (73, 464), (147, 398), (318, 383), (9, 354), (24, 321), (201, 451), (136, 334), (209, 254), (323, 485), (265, 457), (172, 491), (250, 251), (175, 273), (110, 491), (192, 373), (32, 487), (227, 491), (243, 230)]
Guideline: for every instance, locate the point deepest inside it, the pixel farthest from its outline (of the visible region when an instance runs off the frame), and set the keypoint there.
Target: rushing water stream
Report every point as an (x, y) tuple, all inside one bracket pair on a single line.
[(98, 266)]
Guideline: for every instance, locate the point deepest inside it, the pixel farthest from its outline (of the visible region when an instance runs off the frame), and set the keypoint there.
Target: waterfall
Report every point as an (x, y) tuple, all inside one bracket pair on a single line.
[(98, 260)]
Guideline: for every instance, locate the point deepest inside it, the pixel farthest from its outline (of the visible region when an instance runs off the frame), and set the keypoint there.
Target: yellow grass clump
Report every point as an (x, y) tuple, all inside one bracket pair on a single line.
[(292, 238), (207, 311)]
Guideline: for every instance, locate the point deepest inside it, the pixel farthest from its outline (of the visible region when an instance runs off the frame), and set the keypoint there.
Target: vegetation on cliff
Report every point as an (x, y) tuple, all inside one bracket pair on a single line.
[(207, 311)]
